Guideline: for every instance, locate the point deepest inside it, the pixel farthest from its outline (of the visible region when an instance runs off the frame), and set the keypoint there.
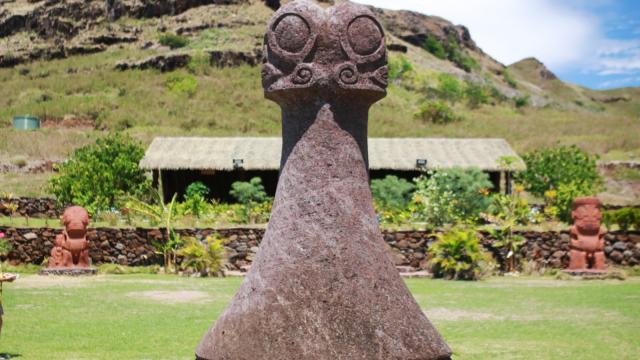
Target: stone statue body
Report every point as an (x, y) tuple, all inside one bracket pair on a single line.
[(71, 249), (587, 237), (322, 286)]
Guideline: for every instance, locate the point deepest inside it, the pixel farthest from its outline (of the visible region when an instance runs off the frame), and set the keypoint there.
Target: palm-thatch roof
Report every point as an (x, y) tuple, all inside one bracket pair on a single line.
[(262, 153)]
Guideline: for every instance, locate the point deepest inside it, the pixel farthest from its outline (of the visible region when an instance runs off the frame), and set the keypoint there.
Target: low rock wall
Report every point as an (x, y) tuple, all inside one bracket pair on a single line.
[(32, 207), (406, 248)]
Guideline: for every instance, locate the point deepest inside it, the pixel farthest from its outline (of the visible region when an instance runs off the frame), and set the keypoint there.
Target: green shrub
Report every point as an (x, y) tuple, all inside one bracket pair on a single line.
[(173, 41), (508, 78), (625, 218), (457, 255), (247, 192), (97, 175), (182, 84), (392, 192), (5, 246), (394, 216), (510, 208), (560, 201), (463, 60), (452, 196), (476, 94), (548, 168), (399, 67), (437, 112), (432, 45), (195, 202), (449, 88), (199, 64), (204, 258), (253, 197), (521, 101)]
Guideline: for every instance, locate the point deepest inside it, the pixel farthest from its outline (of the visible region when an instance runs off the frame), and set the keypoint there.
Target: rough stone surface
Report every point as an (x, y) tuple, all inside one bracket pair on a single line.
[(587, 237), (322, 285), (68, 272), (71, 249), (31, 207)]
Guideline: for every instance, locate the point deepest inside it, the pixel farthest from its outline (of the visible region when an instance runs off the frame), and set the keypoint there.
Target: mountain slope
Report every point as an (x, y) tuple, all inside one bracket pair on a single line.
[(65, 61)]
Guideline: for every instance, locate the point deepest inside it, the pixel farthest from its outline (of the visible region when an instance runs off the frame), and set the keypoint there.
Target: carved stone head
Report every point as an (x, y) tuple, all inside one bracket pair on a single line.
[(586, 214), (328, 53), (75, 220)]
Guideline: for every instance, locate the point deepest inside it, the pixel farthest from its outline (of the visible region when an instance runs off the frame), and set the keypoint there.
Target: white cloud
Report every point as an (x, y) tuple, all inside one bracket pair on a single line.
[(619, 82), (557, 34), (617, 57)]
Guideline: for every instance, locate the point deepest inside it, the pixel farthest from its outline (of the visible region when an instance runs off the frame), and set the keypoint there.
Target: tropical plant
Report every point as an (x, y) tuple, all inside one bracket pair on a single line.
[(511, 207), (452, 196), (508, 242), (203, 257), (548, 168), (195, 199), (394, 216), (247, 192), (164, 215), (392, 192), (457, 255), (96, 176), (253, 197)]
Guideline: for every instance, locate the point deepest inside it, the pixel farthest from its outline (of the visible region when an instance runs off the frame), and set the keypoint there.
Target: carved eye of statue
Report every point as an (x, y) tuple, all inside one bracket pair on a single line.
[(292, 33), (365, 36)]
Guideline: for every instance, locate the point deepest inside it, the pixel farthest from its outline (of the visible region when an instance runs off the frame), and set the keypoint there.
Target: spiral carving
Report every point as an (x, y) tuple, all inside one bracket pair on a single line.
[(348, 74), (302, 75), (381, 76)]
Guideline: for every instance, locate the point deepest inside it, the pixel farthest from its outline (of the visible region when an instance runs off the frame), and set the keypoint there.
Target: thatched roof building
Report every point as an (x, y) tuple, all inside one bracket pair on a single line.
[(218, 161)]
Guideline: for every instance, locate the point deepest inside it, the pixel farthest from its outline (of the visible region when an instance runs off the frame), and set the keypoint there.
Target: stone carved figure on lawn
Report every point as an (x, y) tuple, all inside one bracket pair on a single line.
[(322, 286), (587, 237), (71, 249)]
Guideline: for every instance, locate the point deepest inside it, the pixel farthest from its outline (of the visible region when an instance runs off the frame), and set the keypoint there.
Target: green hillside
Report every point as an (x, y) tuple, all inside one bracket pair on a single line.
[(82, 96)]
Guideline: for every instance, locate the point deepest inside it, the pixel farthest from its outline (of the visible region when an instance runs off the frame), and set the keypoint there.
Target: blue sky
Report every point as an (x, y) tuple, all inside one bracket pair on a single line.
[(594, 43)]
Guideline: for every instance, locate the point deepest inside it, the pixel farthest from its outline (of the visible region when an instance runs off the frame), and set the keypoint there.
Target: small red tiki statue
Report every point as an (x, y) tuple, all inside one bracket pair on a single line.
[(71, 249), (587, 237)]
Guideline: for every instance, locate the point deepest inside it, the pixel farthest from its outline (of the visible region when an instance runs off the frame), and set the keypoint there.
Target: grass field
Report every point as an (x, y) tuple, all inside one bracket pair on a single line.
[(163, 317)]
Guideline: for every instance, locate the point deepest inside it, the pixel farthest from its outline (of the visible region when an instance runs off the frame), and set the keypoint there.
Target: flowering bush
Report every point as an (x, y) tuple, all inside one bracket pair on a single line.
[(452, 196)]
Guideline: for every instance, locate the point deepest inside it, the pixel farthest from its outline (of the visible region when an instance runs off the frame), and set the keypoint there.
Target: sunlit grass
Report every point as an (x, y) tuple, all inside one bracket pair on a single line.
[(152, 317)]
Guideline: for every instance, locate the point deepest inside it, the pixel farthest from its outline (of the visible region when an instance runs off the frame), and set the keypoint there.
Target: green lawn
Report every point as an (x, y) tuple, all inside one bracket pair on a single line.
[(163, 317)]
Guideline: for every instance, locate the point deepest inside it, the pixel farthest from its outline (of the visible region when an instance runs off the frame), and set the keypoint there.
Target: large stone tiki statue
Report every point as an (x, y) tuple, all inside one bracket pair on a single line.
[(587, 237), (322, 286), (71, 249)]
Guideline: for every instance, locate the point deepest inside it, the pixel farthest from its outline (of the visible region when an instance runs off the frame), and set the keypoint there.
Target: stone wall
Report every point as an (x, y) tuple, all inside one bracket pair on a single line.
[(32, 207), (406, 248)]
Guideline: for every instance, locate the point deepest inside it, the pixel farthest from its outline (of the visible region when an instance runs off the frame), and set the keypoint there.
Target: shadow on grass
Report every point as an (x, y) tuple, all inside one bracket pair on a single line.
[(9, 356)]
